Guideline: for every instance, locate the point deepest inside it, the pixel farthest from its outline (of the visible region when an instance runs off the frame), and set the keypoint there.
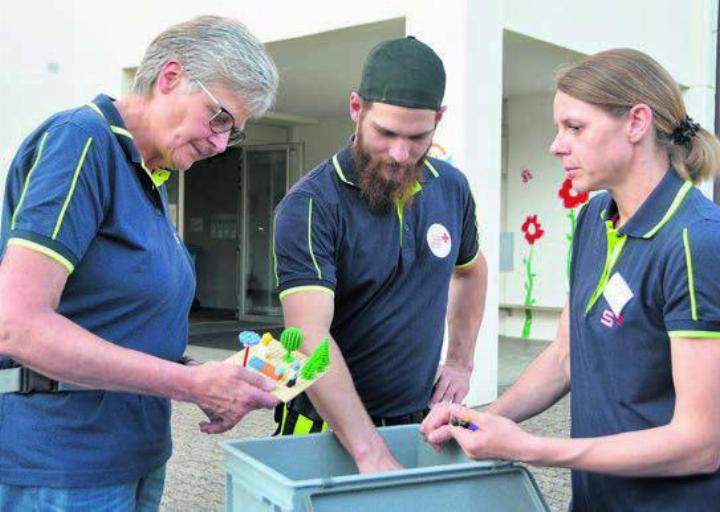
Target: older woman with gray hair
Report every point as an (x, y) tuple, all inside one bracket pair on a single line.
[(95, 284)]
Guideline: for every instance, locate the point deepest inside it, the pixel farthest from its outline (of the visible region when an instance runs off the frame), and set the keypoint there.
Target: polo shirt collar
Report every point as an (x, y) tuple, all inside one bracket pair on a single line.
[(104, 106), (344, 165), (660, 206)]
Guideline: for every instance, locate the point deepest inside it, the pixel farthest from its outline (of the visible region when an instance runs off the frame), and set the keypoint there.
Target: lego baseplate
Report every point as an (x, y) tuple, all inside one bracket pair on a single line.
[(272, 359)]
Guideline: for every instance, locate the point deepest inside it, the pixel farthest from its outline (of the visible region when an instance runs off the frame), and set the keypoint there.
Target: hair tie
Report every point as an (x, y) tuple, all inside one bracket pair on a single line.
[(685, 131)]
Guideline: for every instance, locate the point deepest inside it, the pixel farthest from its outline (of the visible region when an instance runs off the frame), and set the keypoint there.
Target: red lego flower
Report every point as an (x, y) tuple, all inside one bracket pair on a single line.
[(532, 229), (571, 198)]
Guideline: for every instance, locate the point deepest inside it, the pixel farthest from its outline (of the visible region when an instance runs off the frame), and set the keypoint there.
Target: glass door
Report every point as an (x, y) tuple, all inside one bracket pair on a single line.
[(264, 183)]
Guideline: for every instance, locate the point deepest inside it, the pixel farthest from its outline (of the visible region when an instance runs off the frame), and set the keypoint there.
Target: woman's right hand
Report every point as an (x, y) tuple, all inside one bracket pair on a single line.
[(226, 392)]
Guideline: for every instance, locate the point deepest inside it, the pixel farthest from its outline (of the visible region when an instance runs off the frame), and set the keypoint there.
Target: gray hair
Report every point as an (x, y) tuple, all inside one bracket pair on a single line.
[(215, 50)]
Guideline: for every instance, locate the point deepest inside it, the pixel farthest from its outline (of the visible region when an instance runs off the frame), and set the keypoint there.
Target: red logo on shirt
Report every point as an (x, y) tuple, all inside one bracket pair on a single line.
[(608, 319), (439, 240)]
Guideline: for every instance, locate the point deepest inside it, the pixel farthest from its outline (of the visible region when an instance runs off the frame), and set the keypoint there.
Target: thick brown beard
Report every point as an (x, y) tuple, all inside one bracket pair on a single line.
[(378, 192)]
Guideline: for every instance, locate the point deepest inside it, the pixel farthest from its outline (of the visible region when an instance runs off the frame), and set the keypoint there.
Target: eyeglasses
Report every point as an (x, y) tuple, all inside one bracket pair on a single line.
[(223, 121)]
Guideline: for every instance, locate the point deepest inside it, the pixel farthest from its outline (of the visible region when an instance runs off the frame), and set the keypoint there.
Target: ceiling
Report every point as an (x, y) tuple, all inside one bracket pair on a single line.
[(318, 72), (529, 64)]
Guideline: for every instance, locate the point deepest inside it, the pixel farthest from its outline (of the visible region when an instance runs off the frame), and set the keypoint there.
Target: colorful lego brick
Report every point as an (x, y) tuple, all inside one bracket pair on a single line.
[(248, 338), (269, 371), (256, 363)]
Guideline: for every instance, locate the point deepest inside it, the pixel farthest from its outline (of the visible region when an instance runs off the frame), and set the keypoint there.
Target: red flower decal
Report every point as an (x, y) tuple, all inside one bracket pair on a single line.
[(571, 198), (532, 229)]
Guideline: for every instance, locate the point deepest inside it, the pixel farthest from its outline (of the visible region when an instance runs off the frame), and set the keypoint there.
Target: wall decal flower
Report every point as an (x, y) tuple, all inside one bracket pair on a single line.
[(533, 231), (571, 199)]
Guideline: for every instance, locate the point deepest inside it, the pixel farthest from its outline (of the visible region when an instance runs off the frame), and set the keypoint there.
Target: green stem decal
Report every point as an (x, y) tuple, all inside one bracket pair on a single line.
[(529, 301), (527, 324), (570, 236)]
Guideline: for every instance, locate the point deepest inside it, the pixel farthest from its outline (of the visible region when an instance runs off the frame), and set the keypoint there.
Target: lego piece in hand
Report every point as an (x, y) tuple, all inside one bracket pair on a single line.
[(465, 423)]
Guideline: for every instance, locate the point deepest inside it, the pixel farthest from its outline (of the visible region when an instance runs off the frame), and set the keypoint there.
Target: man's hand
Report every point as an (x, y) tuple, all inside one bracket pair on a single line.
[(226, 392), (452, 383), (377, 458), (495, 437)]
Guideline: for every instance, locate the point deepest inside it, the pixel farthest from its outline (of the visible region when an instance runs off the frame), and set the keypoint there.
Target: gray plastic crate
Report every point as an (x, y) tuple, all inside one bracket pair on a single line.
[(314, 473)]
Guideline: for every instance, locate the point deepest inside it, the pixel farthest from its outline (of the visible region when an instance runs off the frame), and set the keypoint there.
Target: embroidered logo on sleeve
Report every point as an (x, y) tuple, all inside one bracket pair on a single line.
[(439, 241)]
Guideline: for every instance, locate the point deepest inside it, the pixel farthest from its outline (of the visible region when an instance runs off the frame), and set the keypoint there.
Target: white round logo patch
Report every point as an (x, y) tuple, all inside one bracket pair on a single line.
[(439, 241)]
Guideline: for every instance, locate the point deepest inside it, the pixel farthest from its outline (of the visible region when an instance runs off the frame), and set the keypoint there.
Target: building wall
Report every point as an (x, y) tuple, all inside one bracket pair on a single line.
[(679, 36), (324, 139), (674, 33), (35, 80), (259, 133), (529, 131)]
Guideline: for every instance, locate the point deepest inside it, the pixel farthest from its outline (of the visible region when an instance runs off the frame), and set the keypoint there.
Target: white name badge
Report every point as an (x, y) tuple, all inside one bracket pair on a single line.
[(617, 293)]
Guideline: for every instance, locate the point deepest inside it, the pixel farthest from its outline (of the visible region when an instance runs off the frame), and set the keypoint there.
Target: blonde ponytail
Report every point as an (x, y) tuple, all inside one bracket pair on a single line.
[(616, 80)]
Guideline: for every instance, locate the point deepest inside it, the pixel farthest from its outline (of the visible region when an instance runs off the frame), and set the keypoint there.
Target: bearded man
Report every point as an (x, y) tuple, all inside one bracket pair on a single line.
[(372, 248)]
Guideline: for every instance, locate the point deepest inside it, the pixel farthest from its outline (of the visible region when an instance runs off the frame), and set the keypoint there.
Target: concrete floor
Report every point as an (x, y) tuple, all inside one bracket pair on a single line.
[(196, 478)]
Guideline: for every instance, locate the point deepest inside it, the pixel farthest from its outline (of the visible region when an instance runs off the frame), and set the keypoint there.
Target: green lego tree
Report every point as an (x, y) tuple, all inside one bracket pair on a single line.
[(291, 338), (308, 370), (323, 355), (318, 361)]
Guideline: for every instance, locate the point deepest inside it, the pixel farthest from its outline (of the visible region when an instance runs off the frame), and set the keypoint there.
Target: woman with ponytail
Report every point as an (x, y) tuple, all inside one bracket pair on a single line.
[(639, 341)]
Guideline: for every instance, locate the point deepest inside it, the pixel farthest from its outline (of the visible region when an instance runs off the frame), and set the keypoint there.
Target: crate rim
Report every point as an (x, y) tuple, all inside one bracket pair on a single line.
[(472, 466)]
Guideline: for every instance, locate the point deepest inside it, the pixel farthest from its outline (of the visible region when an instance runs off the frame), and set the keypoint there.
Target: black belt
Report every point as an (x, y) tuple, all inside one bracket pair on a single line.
[(406, 419), (24, 381)]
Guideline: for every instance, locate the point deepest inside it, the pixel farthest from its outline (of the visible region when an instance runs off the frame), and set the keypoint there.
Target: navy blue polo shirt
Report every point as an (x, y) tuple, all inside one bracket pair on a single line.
[(632, 290), (78, 192), (389, 274)]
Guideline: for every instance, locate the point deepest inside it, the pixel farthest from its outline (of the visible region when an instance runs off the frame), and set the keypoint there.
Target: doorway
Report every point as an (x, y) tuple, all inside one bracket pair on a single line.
[(265, 177)]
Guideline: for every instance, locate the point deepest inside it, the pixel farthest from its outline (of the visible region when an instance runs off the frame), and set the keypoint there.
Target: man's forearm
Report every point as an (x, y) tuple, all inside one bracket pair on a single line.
[(334, 396), (336, 400), (466, 306)]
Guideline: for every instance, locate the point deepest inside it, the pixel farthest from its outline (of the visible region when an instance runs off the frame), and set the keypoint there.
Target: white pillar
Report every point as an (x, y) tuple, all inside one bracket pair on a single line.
[(468, 37), (700, 105), (700, 98)]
